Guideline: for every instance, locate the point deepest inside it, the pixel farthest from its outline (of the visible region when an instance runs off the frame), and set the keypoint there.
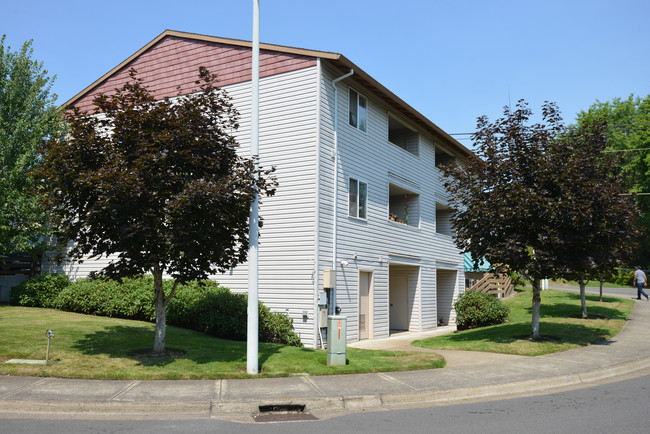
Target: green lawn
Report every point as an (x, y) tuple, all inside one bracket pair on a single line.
[(561, 327), (103, 348)]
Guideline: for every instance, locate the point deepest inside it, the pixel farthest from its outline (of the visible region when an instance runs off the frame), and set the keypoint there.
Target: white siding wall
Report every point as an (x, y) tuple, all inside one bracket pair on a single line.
[(288, 137), (74, 269), (370, 157)]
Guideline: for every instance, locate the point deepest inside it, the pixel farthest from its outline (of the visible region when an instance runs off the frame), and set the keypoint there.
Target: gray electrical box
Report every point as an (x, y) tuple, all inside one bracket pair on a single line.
[(322, 317), (336, 339)]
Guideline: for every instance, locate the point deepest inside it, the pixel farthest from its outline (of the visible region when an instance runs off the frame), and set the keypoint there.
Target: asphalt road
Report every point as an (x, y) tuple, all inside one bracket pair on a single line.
[(620, 407)]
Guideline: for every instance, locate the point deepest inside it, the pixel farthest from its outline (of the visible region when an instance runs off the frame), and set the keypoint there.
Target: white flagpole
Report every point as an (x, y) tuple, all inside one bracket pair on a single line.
[(253, 253)]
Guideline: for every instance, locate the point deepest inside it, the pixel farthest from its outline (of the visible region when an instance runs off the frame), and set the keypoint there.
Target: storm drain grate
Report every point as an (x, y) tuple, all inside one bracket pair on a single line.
[(283, 413)]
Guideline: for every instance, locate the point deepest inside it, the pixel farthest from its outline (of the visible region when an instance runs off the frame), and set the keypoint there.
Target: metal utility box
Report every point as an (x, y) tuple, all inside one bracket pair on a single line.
[(322, 317), (329, 279), (336, 339)]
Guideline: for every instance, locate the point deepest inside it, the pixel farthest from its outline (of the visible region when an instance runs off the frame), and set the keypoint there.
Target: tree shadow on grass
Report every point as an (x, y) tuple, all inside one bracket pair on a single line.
[(569, 310), (133, 342), (575, 334)]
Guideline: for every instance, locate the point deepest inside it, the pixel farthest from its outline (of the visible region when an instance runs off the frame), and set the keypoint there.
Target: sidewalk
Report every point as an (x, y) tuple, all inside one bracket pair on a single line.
[(468, 376)]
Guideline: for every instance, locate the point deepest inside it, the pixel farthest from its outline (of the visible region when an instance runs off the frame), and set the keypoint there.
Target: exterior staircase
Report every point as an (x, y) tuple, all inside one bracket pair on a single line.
[(497, 285)]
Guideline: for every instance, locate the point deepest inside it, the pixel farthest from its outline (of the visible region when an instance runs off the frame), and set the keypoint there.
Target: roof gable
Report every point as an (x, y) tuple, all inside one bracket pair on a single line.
[(173, 59)]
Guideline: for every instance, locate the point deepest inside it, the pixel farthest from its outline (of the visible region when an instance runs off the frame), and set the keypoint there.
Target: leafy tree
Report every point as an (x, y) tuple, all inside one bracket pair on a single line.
[(27, 115), (505, 197), (525, 204), (629, 135), (595, 219), (159, 183)]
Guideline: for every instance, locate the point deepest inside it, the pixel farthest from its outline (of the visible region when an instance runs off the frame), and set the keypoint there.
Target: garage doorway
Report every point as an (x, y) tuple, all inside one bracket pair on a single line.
[(403, 297), (446, 288)]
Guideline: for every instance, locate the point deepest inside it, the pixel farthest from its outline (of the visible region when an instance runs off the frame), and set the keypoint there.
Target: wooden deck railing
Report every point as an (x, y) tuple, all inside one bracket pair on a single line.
[(499, 286), (19, 265)]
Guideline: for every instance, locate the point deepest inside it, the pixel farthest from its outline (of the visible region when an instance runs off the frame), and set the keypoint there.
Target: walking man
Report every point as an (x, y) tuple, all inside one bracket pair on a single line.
[(640, 281)]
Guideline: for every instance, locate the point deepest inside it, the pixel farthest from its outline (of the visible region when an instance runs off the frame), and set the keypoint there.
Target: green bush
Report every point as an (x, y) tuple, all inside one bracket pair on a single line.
[(277, 328), (225, 315), (200, 305), (475, 309), (623, 277), (39, 291), (186, 296), (220, 313), (132, 298)]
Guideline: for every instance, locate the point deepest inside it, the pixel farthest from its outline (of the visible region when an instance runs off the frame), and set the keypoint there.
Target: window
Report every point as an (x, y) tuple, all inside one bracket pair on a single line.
[(401, 135), (443, 219), (358, 106), (357, 199), (443, 158)]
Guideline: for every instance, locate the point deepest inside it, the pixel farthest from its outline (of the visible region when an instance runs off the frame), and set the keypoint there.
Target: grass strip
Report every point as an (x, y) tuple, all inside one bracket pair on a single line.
[(561, 327), (94, 347)]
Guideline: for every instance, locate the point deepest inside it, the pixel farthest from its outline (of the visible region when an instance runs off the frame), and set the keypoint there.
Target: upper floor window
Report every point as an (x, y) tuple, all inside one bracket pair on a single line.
[(358, 107), (443, 219), (357, 198), (443, 158), (401, 135)]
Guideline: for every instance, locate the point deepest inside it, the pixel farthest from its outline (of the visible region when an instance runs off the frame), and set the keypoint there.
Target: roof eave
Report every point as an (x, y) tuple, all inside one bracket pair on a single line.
[(391, 99), (337, 59)]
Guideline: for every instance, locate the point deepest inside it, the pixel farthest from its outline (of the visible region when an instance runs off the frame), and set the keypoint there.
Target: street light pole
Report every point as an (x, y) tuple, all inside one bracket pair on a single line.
[(253, 253)]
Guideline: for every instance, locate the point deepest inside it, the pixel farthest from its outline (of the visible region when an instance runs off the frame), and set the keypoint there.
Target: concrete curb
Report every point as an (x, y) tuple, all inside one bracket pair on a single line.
[(218, 409)]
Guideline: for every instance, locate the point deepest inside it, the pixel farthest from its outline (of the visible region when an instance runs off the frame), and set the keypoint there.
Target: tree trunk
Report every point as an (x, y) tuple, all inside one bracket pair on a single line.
[(159, 301), (583, 296), (601, 286), (537, 299)]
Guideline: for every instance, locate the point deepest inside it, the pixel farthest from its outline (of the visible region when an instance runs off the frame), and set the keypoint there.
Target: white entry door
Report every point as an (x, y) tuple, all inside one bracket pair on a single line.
[(364, 304), (398, 288)]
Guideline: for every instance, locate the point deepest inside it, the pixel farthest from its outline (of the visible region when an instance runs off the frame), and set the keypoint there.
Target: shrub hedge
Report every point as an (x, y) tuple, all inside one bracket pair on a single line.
[(200, 305), (475, 309), (39, 291)]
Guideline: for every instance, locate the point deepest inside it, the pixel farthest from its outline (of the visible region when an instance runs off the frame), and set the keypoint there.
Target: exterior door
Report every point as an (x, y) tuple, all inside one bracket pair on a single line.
[(398, 286), (365, 279)]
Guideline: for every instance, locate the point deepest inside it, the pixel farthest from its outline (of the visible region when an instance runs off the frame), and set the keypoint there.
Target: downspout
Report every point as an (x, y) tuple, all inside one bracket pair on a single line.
[(318, 337), (336, 185)]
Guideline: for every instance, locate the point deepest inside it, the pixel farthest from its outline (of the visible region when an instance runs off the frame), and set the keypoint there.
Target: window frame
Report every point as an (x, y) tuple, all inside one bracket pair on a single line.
[(357, 193), (357, 125)]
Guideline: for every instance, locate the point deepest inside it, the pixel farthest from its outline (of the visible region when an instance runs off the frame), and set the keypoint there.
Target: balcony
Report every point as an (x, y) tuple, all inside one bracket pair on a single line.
[(404, 206)]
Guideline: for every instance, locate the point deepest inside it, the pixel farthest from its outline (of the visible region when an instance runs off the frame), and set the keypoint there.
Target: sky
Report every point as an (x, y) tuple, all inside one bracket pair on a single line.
[(453, 61)]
